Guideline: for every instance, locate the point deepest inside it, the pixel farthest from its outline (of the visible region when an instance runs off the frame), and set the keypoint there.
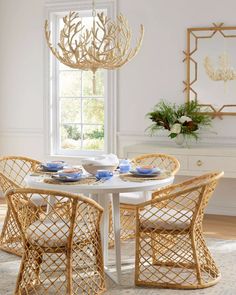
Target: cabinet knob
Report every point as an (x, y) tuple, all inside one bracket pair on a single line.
[(199, 163)]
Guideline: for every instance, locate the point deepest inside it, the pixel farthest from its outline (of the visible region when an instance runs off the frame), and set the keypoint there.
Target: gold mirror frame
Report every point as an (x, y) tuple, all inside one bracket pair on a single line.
[(193, 35)]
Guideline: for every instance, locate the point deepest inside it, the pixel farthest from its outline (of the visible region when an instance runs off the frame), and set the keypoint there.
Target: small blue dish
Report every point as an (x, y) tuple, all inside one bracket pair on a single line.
[(104, 177), (53, 166), (47, 169), (143, 170)]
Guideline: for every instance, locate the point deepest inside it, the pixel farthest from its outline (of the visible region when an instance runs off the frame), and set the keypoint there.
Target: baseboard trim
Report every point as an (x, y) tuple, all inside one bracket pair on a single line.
[(228, 211)]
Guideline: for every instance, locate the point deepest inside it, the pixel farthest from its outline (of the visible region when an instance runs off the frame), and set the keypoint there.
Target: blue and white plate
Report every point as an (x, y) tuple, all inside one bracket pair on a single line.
[(151, 174), (67, 178)]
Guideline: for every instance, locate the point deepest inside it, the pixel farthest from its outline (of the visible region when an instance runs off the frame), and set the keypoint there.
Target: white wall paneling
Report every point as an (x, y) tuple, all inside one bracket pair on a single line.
[(22, 142)]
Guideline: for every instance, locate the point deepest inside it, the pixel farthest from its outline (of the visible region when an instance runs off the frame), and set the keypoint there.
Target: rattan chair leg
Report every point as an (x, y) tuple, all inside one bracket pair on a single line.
[(39, 261), (4, 228), (209, 263), (196, 259), (69, 272), (10, 240), (20, 275), (100, 263)]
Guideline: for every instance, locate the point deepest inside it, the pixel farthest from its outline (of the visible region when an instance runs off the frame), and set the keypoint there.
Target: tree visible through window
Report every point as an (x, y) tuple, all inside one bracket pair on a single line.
[(81, 114)]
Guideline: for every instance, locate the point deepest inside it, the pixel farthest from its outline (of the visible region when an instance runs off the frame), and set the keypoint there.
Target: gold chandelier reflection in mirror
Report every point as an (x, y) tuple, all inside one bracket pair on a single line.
[(107, 45), (205, 42), (224, 72)]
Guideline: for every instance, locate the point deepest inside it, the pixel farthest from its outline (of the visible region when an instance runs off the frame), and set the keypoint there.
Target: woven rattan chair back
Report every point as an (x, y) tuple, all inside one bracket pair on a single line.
[(62, 246), (127, 216), (13, 170), (6, 183), (171, 251), (16, 168), (162, 161)]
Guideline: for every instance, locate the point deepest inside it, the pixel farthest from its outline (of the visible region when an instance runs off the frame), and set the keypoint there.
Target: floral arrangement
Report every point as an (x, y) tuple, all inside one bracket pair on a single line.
[(184, 119)]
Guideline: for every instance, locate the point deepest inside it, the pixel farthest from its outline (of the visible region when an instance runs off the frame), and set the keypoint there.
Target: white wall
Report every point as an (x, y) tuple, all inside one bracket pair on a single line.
[(157, 71), (21, 77)]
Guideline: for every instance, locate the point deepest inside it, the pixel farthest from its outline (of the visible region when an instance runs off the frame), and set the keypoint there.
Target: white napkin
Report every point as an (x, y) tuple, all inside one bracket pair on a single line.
[(103, 160)]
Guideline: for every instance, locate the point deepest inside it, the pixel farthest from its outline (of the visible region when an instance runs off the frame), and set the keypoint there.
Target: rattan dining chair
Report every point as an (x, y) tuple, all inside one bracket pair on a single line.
[(129, 201), (13, 170), (170, 248), (62, 249)]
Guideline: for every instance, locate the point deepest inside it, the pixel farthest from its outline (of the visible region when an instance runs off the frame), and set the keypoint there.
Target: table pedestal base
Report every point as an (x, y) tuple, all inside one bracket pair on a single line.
[(104, 200)]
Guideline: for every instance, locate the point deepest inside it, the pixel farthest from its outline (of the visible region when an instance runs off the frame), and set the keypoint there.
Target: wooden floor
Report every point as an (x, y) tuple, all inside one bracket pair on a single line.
[(215, 226), (220, 226)]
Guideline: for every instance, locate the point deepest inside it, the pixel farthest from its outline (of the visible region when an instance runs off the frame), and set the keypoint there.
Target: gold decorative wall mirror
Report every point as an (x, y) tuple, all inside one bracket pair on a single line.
[(211, 69)]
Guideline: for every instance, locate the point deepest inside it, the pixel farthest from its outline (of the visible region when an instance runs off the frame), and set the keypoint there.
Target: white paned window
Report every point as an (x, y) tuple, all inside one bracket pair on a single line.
[(80, 122)]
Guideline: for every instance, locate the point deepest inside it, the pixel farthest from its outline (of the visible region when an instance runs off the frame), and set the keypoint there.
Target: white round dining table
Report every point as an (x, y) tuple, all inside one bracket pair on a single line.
[(105, 191)]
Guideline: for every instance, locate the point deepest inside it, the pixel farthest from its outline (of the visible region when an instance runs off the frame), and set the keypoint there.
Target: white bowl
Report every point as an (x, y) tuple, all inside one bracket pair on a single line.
[(92, 169)]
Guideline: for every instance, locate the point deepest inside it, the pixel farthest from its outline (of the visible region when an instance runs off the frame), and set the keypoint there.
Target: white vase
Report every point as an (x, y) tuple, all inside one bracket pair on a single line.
[(180, 139)]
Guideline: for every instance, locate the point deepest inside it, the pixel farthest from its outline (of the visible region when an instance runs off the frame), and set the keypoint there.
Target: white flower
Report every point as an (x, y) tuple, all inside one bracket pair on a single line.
[(176, 128), (184, 119)]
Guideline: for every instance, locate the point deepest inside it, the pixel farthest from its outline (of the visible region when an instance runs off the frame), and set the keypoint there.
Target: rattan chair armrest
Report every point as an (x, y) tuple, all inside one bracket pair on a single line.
[(165, 198), (172, 187)]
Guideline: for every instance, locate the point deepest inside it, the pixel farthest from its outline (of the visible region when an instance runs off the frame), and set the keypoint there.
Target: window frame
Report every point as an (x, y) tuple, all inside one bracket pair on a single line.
[(51, 118)]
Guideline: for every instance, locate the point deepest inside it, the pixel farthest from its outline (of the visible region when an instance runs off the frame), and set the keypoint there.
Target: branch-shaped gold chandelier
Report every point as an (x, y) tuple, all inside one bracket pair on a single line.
[(106, 45)]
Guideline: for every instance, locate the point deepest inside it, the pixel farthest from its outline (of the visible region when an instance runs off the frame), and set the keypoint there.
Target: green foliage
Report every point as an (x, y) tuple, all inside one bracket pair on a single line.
[(186, 119), (96, 134), (163, 115), (93, 139), (72, 132)]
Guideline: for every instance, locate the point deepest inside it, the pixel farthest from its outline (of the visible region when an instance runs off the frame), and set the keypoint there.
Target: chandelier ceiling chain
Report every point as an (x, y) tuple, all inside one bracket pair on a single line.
[(106, 45)]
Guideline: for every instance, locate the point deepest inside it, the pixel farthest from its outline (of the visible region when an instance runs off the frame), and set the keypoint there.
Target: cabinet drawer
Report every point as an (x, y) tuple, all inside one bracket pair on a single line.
[(206, 163)]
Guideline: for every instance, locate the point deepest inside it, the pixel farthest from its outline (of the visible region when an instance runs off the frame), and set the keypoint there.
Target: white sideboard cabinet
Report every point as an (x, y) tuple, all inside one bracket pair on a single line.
[(194, 160)]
